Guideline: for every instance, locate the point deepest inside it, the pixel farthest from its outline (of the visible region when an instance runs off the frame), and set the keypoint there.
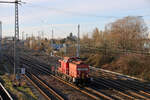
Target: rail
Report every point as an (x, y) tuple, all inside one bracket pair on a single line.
[(44, 86), (119, 74), (75, 87), (4, 93)]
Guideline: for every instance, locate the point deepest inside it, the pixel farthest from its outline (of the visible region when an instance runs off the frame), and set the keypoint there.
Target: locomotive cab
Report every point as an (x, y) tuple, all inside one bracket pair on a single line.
[(82, 72)]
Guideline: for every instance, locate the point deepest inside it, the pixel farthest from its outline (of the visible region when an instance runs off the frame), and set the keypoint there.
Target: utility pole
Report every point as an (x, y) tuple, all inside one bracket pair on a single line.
[(16, 36), (52, 38), (42, 33), (26, 36), (52, 42), (78, 42), (22, 35)]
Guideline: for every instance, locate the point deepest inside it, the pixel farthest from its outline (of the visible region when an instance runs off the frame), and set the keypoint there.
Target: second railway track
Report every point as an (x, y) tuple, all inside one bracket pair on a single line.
[(45, 90), (118, 87), (96, 95), (131, 88)]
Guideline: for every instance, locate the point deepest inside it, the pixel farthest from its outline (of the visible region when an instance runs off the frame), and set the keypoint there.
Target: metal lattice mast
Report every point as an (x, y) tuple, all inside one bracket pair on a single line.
[(78, 42), (16, 37), (52, 38), (16, 20)]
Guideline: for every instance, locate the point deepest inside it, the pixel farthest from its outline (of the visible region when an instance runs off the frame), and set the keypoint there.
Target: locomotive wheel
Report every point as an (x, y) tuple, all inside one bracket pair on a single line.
[(70, 79), (64, 77), (67, 78), (56, 73), (60, 75), (77, 84)]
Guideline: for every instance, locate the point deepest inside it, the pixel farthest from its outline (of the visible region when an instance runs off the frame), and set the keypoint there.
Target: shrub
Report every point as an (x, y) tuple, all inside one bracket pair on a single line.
[(131, 64)]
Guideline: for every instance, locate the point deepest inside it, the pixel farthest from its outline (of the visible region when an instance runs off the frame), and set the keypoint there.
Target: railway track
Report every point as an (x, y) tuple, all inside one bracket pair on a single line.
[(127, 90), (39, 88), (4, 95), (45, 90), (130, 88), (132, 93), (100, 93), (119, 93), (87, 91)]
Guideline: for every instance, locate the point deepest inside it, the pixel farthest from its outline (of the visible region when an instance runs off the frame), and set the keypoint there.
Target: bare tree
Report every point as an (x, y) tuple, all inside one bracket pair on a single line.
[(128, 33)]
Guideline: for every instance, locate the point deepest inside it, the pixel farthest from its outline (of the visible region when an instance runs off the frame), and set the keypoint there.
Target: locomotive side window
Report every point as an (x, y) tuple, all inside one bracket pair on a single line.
[(82, 69)]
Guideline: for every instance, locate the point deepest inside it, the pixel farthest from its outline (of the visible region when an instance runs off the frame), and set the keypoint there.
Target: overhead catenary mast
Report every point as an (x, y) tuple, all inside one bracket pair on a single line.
[(16, 36), (52, 37), (52, 42), (78, 42)]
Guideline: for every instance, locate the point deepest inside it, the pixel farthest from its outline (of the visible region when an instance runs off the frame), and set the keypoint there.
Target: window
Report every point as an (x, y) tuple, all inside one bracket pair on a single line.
[(82, 69)]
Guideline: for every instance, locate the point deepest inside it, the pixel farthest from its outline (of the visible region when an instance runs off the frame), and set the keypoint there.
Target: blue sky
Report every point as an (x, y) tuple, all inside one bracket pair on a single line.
[(64, 15)]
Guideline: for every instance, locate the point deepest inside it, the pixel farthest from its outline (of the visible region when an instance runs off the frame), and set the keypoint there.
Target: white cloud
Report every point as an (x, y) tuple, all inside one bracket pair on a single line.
[(102, 5), (36, 0), (31, 15)]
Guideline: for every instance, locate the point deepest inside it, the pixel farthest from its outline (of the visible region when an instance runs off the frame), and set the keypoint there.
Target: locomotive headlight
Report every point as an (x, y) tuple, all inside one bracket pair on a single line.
[(87, 75)]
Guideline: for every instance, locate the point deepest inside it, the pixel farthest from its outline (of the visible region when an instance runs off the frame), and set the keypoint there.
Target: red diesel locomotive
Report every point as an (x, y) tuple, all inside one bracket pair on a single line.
[(73, 70)]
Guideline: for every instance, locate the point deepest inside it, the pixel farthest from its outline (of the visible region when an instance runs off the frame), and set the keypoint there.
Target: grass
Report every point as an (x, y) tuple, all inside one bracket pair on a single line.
[(27, 91), (19, 93)]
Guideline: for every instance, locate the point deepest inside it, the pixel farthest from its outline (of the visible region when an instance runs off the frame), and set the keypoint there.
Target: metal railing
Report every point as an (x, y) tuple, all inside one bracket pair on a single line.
[(4, 95)]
